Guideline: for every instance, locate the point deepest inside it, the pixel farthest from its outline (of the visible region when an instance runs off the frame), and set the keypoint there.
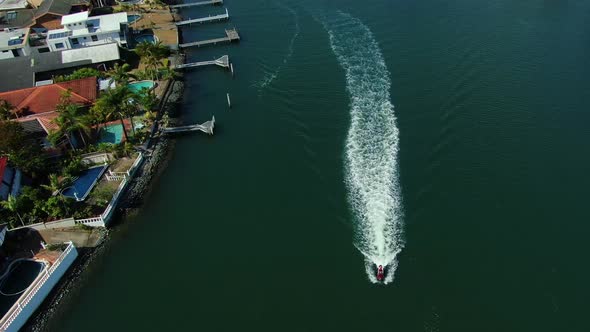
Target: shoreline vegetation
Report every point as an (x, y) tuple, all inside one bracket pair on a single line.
[(157, 150)]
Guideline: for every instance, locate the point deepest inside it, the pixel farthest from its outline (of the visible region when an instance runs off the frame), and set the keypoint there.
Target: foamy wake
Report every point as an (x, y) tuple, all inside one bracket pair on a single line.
[(270, 76), (371, 145)]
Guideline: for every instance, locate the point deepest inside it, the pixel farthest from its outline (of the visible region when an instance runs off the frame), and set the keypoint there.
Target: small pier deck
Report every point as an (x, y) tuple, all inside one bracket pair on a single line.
[(200, 3), (231, 35), (205, 19), (206, 127), (222, 62)]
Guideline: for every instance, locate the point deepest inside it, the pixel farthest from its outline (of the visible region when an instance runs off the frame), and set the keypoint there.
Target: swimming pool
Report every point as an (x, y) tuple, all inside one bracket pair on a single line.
[(137, 86), (19, 277), (146, 38), (111, 134), (84, 183), (132, 18)]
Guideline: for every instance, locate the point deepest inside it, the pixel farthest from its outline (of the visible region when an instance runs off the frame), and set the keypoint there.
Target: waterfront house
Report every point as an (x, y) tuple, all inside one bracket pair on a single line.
[(39, 68), (36, 106), (36, 14), (50, 12), (80, 30)]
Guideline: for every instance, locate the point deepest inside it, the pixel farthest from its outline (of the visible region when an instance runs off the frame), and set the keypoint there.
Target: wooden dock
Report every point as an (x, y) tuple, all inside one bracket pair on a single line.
[(200, 3), (206, 127), (231, 35), (221, 62), (205, 19)]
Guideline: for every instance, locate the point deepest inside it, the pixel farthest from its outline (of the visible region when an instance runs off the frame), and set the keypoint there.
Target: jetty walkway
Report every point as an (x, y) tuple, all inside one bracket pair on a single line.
[(206, 127), (222, 62), (231, 35), (205, 19), (200, 3)]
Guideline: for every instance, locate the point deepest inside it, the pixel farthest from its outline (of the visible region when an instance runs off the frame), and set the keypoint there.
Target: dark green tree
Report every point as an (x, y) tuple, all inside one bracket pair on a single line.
[(22, 151)]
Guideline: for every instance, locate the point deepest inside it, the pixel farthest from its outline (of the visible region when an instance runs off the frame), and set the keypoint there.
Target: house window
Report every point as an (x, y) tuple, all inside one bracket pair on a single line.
[(11, 16), (75, 41), (59, 45), (94, 38)]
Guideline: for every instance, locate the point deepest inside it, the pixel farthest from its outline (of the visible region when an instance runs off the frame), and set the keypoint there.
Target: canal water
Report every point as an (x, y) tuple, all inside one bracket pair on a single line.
[(447, 140)]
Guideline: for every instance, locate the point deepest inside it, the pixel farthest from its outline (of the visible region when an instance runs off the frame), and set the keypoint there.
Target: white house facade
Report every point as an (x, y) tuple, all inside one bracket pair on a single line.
[(79, 30)]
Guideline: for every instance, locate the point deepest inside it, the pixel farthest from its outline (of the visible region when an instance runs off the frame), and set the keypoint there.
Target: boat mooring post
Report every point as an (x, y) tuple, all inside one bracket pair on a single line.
[(228, 101)]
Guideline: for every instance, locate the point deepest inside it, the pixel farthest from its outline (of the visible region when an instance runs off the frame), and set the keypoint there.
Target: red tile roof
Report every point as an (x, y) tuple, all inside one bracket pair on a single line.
[(45, 119), (45, 98)]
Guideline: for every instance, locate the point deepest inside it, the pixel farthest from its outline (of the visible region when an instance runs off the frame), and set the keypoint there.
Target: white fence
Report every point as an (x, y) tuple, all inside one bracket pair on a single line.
[(116, 176), (30, 300)]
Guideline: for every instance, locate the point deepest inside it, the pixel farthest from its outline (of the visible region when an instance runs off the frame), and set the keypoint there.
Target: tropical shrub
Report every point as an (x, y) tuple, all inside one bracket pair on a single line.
[(78, 74)]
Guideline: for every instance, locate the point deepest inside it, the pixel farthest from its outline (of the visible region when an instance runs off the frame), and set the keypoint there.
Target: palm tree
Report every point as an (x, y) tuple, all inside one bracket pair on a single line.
[(143, 49), (56, 184), (8, 111), (115, 104), (152, 64), (69, 121), (12, 204), (5, 109), (157, 50), (120, 74), (146, 99)]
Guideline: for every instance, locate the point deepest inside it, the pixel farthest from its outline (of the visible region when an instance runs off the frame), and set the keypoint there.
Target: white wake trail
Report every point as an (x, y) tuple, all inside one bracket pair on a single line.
[(371, 144)]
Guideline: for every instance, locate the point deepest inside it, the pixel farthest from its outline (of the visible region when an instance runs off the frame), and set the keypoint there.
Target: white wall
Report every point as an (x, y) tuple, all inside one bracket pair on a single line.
[(25, 50), (102, 39), (84, 41), (6, 55)]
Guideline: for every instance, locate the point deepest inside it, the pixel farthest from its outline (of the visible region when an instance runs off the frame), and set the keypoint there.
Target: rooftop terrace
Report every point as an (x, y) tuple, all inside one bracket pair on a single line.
[(13, 39)]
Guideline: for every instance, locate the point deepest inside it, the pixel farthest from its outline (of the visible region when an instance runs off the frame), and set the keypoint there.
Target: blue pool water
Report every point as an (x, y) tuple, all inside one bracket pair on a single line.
[(132, 18), (111, 134), (84, 183), (146, 38), (137, 86)]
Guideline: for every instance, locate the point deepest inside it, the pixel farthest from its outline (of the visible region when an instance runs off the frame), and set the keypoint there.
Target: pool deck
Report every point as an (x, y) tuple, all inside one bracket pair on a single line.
[(162, 24), (47, 255)]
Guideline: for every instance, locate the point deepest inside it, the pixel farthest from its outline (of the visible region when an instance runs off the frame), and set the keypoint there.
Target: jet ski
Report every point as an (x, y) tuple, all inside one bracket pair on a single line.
[(380, 273)]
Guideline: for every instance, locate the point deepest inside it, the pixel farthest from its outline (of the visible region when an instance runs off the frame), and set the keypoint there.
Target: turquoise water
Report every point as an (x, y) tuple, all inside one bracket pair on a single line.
[(132, 18), (146, 38), (138, 86), (111, 134), (448, 138)]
